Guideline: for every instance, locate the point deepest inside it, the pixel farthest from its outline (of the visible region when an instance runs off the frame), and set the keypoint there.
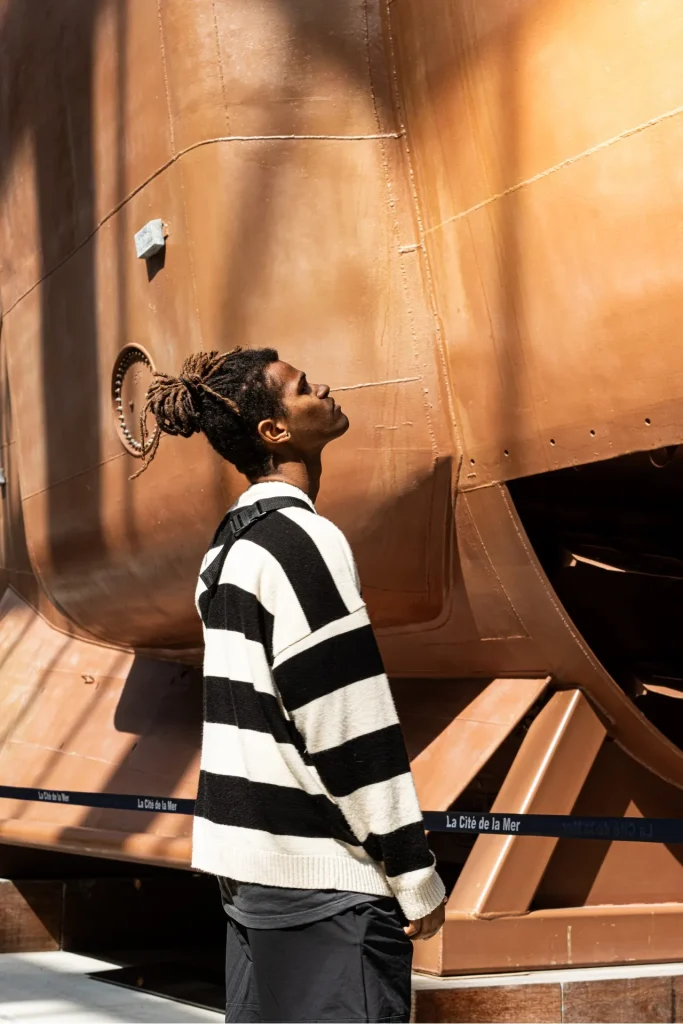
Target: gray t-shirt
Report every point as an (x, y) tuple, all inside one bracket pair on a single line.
[(270, 906)]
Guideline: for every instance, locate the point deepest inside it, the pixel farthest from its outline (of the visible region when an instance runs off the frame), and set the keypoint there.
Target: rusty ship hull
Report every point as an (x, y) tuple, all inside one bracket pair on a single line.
[(464, 217)]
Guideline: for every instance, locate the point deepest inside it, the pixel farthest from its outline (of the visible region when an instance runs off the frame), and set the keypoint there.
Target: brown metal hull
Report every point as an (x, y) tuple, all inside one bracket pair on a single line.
[(465, 224)]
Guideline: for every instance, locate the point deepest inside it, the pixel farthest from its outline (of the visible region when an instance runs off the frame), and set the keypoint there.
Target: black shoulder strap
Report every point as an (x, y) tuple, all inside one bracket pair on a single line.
[(236, 523)]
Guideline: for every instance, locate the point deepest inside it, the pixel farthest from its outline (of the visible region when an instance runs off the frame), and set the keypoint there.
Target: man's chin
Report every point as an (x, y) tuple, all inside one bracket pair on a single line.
[(343, 425)]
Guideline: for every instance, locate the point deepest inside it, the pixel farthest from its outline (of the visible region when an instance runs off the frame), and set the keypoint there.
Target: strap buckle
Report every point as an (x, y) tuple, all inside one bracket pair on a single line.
[(242, 518)]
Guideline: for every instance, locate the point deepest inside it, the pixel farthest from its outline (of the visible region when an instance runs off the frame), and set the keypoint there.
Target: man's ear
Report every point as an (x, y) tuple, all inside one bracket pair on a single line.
[(273, 432)]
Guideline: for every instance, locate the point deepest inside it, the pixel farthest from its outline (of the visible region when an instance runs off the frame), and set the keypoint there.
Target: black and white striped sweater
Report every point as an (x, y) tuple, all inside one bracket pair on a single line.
[(304, 780)]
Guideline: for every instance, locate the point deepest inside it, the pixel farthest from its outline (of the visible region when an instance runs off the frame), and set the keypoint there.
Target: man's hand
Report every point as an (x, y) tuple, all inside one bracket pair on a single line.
[(427, 926)]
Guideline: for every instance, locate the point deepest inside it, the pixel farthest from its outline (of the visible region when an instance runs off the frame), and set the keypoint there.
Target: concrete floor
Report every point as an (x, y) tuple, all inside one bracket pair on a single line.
[(52, 988)]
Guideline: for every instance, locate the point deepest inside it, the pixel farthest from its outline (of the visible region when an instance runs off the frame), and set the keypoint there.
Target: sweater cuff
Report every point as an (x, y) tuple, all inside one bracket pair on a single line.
[(419, 901)]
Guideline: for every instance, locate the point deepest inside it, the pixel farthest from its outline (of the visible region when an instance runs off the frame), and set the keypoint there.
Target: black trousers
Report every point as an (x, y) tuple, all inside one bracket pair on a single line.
[(354, 966)]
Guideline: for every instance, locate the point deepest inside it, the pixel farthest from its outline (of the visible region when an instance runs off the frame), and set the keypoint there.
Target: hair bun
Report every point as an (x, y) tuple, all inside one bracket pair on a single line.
[(193, 383)]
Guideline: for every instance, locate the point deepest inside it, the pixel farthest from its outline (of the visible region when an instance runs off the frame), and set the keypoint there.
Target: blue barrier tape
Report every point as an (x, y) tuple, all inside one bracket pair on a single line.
[(112, 801), (558, 826), (555, 826)]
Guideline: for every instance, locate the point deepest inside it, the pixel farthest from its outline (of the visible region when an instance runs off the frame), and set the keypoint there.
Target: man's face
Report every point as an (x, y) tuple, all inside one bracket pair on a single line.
[(312, 417)]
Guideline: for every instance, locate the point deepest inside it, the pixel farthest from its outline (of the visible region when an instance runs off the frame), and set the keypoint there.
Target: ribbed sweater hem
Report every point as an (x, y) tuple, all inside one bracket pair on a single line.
[(346, 874), (291, 871)]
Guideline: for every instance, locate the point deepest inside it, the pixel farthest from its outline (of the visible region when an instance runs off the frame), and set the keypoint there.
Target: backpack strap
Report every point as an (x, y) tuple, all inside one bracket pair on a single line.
[(235, 524), (240, 519)]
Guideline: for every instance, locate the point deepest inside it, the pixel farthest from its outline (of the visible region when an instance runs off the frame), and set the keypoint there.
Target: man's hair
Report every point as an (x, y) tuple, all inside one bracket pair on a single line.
[(225, 396)]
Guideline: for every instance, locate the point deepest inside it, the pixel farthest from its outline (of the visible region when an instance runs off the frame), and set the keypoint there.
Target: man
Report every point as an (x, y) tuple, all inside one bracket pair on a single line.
[(306, 810)]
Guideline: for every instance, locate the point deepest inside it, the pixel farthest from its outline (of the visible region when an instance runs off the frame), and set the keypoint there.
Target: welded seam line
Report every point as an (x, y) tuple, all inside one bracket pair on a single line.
[(176, 157), (219, 53), (171, 129), (559, 167), (425, 260), (397, 230), (74, 476), (190, 260), (377, 383)]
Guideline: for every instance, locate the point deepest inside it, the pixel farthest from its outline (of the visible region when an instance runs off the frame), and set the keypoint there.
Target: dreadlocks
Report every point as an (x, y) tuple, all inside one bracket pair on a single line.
[(225, 396)]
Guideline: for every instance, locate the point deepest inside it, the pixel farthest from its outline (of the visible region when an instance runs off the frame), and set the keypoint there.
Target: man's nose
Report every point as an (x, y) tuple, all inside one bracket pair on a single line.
[(322, 390)]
